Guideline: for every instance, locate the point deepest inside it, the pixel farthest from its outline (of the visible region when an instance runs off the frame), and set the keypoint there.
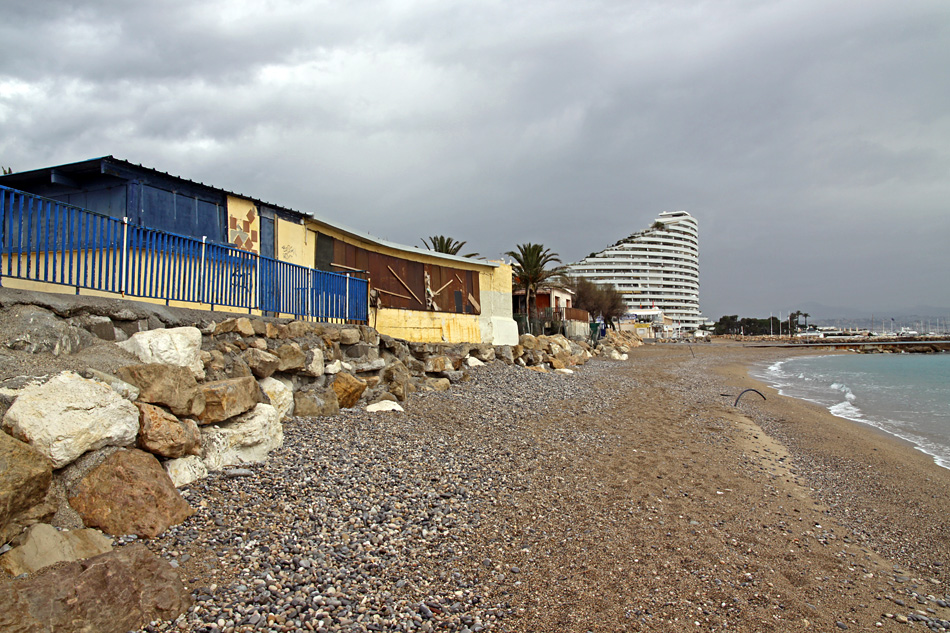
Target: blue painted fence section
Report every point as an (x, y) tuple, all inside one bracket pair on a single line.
[(48, 241)]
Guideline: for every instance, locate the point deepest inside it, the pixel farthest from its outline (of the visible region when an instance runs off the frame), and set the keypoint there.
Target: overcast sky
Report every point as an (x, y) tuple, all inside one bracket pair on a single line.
[(810, 138)]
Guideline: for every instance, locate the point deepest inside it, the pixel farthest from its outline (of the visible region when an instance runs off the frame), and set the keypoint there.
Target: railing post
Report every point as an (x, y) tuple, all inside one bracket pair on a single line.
[(257, 283), (313, 274), (202, 273), (125, 254), (346, 301)]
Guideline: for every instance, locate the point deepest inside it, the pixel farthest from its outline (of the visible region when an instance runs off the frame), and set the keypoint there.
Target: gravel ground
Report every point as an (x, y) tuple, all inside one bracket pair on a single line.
[(629, 496)]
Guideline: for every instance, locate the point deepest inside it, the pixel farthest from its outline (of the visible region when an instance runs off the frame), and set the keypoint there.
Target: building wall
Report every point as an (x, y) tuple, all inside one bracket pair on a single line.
[(496, 321)]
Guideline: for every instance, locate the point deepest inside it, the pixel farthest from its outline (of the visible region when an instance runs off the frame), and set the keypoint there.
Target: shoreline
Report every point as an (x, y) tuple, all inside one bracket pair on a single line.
[(862, 423), (897, 479)]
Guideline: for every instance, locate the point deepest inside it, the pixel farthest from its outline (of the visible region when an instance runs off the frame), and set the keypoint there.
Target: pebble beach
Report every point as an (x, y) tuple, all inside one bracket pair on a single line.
[(629, 496)]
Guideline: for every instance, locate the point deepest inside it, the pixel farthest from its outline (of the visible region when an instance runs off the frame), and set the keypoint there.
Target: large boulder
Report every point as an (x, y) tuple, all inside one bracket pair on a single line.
[(315, 364), (292, 357), (161, 433), (241, 325), (130, 493), (246, 439), (505, 353), (314, 403), (170, 385), (262, 363), (483, 352), (174, 346), (280, 395), (348, 389), (69, 415), (227, 398), (398, 380), (25, 476), (43, 545), (529, 342), (438, 364), (32, 329), (114, 592), (349, 336)]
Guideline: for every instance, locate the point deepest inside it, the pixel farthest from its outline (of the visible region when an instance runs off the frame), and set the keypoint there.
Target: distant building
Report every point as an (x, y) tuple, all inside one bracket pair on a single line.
[(657, 267)]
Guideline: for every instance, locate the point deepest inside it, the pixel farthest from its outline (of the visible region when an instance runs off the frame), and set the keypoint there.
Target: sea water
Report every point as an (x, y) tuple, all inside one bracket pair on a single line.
[(906, 395)]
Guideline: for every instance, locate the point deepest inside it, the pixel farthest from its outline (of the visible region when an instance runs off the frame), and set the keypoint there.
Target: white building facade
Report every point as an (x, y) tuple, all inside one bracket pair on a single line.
[(657, 267)]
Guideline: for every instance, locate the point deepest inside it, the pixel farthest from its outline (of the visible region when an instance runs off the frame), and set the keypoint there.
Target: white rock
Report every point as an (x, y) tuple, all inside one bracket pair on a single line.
[(185, 470), (615, 355), (383, 405), (372, 365), (281, 396), (471, 361), (245, 440), (566, 372), (70, 415), (316, 366), (174, 346), (624, 357), (333, 368)]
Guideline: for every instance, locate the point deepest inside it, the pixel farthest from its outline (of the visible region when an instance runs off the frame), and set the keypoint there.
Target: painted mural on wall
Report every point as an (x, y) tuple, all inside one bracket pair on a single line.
[(243, 225)]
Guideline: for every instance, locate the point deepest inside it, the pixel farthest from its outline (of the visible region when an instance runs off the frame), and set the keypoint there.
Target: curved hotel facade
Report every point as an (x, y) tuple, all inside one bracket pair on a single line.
[(657, 267)]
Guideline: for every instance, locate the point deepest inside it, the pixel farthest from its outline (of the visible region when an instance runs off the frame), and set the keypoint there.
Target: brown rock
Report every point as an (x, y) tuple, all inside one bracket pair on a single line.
[(130, 493), (115, 592), (43, 545), (397, 379), (262, 363), (25, 476), (291, 356), (438, 364), (437, 384), (242, 326), (227, 398), (349, 336), (298, 329), (170, 385), (163, 434), (529, 342), (316, 403), (348, 389)]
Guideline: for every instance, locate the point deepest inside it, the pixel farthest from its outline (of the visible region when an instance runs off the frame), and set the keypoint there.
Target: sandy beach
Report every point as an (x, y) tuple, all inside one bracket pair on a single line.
[(632, 496)]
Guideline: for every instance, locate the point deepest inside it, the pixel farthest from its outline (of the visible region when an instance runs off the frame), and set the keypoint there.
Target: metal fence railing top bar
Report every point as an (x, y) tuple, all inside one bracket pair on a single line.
[(49, 241)]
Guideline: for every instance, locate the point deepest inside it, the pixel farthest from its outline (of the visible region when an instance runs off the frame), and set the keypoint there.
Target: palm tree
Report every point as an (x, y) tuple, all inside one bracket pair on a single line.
[(531, 269), (447, 245)]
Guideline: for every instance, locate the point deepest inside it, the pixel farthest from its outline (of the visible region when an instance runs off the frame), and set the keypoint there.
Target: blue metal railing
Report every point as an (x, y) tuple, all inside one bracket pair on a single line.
[(49, 241)]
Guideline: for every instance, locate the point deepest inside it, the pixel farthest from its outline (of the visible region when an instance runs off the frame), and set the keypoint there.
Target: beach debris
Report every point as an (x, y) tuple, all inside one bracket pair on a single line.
[(736, 403)]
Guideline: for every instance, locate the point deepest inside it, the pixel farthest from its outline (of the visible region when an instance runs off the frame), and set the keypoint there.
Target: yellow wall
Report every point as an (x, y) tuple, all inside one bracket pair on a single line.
[(293, 244), (427, 327)]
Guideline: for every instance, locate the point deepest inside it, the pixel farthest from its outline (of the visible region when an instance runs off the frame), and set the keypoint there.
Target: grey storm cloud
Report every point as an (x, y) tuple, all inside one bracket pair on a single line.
[(810, 139)]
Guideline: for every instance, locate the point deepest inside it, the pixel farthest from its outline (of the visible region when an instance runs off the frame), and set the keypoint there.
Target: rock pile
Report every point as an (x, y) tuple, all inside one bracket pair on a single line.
[(616, 344), (106, 445)]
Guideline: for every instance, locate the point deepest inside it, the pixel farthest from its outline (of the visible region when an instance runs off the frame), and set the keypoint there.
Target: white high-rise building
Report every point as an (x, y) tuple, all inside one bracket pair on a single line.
[(657, 267)]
